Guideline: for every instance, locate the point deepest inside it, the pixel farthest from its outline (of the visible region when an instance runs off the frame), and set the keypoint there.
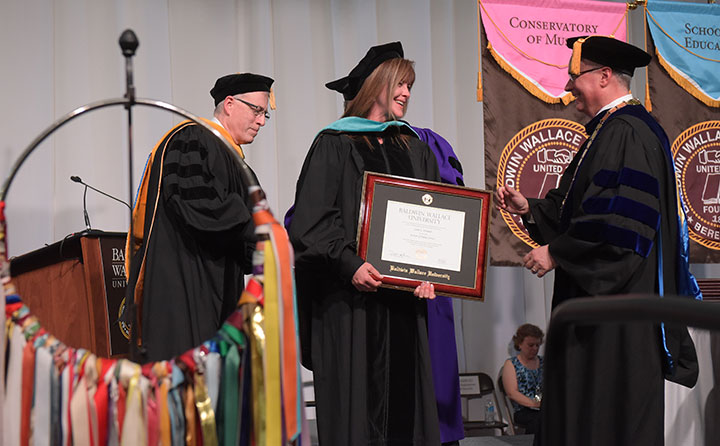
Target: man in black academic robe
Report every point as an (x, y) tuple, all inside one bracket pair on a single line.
[(603, 231), (194, 233)]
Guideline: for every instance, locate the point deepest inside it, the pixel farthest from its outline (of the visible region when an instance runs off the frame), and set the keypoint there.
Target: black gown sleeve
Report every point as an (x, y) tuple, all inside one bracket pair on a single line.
[(202, 188), (428, 163), (614, 221), (317, 231)]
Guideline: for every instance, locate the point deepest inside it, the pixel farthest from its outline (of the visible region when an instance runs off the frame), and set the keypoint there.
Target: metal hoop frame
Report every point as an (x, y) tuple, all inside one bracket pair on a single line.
[(254, 191), (249, 179)]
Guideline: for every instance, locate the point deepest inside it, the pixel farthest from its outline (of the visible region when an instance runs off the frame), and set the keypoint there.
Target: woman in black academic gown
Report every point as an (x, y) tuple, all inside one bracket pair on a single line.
[(367, 346)]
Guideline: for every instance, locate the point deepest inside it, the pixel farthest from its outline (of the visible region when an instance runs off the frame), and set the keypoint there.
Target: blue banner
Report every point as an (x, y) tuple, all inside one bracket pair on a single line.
[(687, 40)]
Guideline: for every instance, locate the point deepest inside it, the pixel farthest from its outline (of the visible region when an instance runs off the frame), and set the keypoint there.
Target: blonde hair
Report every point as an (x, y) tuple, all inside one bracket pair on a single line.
[(385, 77)]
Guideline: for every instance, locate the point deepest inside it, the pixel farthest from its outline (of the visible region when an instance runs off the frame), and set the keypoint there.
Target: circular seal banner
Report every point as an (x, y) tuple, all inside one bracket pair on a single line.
[(534, 160), (696, 154), (124, 328)]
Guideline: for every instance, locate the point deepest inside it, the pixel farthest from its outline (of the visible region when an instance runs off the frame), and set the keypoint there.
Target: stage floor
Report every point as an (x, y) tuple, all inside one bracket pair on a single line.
[(507, 440), (482, 440)]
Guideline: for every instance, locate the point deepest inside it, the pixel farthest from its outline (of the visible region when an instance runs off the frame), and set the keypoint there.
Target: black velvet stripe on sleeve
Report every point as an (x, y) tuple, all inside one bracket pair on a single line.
[(201, 183), (186, 171), (192, 193), (194, 147), (600, 231), (628, 177), (624, 207)]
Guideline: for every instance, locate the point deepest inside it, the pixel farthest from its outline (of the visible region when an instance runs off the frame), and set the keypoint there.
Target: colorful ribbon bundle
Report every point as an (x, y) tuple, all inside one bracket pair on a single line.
[(242, 387)]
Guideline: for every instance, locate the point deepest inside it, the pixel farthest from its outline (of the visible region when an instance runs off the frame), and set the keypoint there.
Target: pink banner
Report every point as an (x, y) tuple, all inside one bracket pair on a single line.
[(528, 40)]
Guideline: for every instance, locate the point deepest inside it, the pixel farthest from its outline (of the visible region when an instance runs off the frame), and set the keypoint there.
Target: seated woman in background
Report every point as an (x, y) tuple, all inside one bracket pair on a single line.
[(522, 377)]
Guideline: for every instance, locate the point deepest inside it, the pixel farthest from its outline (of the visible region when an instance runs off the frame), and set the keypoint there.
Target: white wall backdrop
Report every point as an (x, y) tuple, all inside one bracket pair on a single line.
[(60, 54)]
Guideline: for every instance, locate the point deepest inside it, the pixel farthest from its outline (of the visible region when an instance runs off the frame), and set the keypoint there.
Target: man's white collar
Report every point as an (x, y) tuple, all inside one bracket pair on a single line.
[(617, 101), (217, 121)]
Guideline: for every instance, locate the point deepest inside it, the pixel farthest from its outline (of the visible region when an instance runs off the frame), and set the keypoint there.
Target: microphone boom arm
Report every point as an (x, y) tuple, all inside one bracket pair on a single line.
[(79, 180), (85, 212)]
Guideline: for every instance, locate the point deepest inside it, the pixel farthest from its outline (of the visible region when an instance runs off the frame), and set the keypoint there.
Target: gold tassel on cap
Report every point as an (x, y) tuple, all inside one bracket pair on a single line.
[(271, 98), (576, 56)]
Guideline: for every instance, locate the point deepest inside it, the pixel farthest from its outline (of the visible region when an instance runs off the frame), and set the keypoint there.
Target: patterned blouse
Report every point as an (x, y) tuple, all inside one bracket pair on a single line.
[(529, 381)]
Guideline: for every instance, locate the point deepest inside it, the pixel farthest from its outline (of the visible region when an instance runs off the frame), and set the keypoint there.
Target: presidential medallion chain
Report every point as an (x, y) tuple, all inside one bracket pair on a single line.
[(589, 144)]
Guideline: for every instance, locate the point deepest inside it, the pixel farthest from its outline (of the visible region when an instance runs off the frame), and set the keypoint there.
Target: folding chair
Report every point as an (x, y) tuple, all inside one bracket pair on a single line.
[(477, 385), (512, 427)]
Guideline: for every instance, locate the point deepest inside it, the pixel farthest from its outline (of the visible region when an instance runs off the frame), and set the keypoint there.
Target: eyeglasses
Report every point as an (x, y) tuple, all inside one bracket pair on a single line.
[(574, 77), (255, 108)]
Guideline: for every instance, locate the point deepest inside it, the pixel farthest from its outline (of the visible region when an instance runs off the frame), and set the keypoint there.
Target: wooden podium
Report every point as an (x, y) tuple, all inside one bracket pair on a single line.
[(76, 288)]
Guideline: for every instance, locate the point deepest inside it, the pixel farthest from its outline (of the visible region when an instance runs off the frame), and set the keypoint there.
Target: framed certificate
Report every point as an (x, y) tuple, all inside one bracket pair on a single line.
[(413, 231)]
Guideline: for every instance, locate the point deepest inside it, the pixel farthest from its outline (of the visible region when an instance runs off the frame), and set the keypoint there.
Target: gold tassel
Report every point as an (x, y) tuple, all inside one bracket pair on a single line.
[(257, 352), (686, 84), (479, 87), (529, 86), (648, 104), (576, 56), (271, 98), (205, 411)]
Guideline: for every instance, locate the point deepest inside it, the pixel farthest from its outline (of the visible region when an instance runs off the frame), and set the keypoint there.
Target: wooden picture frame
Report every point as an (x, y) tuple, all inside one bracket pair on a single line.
[(413, 231)]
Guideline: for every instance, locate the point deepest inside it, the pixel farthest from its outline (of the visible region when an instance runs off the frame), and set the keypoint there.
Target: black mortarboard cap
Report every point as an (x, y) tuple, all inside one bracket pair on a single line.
[(607, 51), (239, 83), (350, 85)]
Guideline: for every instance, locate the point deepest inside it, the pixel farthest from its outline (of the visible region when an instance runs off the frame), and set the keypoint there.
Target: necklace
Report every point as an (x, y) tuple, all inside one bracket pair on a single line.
[(589, 144)]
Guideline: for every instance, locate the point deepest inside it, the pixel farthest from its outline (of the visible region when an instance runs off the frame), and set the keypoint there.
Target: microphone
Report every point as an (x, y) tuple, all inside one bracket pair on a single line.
[(79, 180), (85, 212)]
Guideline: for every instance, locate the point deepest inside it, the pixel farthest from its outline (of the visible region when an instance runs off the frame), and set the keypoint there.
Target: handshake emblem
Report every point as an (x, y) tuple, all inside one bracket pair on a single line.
[(709, 156), (559, 156)]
